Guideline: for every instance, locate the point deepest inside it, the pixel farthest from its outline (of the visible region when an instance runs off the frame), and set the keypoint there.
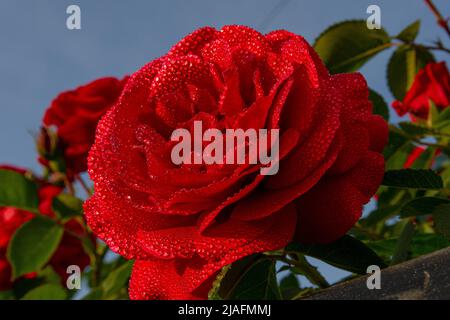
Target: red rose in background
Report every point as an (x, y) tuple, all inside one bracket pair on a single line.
[(70, 250), (76, 114), (431, 83), (183, 223)]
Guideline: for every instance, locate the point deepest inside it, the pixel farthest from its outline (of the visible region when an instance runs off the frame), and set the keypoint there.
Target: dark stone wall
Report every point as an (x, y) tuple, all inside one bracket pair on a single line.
[(427, 277)]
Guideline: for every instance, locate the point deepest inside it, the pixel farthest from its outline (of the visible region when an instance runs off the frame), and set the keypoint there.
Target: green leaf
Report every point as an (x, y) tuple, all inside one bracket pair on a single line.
[(381, 214), (410, 33), (215, 292), (427, 243), (7, 295), (379, 105), (46, 292), (49, 275), (412, 178), (253, 277), (117, 279), (346, 253), (67, 206), (425, 160), (444, 116), (259, 283), (18, 191), (422, 206), (420, 244), (442, 128), (348, 45), (403, 66), (312, 273), (441, 218), (398, 160), (404, 243), (433, 113), (32, 245), (94, 294), (445, 174), (439, 121), (395, 142), (289, 286), (384, 248), (388, 197), (414, 129), (397, 150)]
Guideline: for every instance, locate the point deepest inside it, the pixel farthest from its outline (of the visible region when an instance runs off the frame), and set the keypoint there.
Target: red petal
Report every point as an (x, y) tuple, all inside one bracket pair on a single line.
[(354, 146), (379, 133), (266, 202), (309, 154), (194, 42), (179, 278), (333, 206), (246, 38)]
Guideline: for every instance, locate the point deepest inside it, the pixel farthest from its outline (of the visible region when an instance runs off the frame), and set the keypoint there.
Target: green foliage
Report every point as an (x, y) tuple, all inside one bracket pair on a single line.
[(348, 45), (46, 292), (420, 244), (422, 206), (112, 280), (32, 245), (441, 217), (410, 178), (403, 243), (116, 280), (346, 253), (253, 277), (23, 285), (410, 33), (301, 266), (443, 117), (381, 214), (259, 282), (421, 130), (18, 191), (7, 295), (289, 286), (379, 105), (67, 206)]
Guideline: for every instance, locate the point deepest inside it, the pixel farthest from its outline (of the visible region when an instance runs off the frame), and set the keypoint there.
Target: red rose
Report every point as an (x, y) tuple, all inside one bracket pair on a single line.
[(70, 250), (431, 83), (76, 114), (183, 223)]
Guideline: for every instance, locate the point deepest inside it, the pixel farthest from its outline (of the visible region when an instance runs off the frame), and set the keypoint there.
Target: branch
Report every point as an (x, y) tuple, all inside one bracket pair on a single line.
[(442, 22)]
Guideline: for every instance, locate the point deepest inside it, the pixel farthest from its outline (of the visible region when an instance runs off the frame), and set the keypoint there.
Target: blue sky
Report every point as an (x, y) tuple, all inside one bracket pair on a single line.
[(40, 57)]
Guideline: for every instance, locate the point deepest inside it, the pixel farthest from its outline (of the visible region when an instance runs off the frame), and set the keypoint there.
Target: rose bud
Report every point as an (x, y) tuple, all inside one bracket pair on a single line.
[(76, 113), (431, 83)]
